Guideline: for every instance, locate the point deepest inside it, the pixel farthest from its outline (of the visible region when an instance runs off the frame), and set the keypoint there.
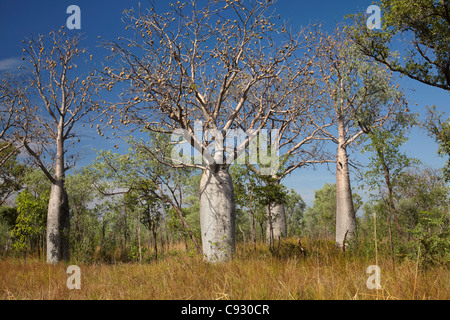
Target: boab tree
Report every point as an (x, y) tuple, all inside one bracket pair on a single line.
[(423, 29), (193, 69), (299, 140), (58, 99), (357, 95)]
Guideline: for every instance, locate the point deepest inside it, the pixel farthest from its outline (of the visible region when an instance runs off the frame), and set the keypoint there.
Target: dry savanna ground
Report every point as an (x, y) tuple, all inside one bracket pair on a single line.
[(255, 273)]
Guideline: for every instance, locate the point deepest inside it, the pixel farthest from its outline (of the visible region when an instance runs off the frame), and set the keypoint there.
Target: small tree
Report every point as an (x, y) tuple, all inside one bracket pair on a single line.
[(270, 195), (423, 25), (388, 162), (30, 224), (140, 172)]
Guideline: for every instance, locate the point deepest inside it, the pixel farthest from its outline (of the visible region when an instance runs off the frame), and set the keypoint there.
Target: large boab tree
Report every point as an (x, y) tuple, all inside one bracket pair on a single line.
[(57, 98), (194, 69)]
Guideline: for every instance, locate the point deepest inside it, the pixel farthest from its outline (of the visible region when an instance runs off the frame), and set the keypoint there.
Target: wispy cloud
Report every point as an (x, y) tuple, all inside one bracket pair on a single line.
[(10, 63)]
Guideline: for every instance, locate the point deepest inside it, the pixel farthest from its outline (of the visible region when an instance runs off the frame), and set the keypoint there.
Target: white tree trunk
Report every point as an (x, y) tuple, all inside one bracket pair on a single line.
[(58, 219), (217, 214), (276, 220), (345, 213), (57, 225)]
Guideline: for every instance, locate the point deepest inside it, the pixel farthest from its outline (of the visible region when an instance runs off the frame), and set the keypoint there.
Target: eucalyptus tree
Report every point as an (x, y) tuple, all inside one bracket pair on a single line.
[(191, 71), (58, 97), (439, 129), (423, 29), (357, 96), (387, 165), (139, 175)]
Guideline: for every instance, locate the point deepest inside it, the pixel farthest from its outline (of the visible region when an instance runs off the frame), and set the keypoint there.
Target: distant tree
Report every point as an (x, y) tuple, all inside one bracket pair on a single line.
[(245, 183), (359, 95), (387, 164), (319, 221), (84, 222), (422, 26), (29, 228), (13, 100), (11, 172), (140, 172), (271, 194), (295, 208)]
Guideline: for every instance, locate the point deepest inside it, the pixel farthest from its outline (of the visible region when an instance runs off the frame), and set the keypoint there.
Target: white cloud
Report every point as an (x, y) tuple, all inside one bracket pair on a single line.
[(10, 63)]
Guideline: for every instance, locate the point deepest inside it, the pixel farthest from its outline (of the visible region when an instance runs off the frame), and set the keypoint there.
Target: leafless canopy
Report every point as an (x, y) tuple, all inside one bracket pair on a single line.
[(58, 98), (211, 61)]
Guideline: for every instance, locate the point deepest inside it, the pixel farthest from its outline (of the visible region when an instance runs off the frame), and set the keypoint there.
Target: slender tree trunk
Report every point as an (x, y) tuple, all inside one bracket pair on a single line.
[(390, 241), (155, 238), (58, 222), (138, 227), (387, 179), (345, 213), (217, 214), (252, 220), (269, 227), (187, 229)]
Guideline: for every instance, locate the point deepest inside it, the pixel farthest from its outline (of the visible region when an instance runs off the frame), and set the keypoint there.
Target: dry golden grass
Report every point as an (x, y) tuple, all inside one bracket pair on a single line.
[(254, 274)]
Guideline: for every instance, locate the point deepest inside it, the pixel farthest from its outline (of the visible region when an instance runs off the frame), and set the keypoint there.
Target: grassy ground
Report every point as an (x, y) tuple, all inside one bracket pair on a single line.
[(255, 273)]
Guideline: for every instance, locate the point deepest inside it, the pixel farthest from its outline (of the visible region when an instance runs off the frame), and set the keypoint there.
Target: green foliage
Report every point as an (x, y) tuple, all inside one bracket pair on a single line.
[(440, 130), (32, 219), (386, 159), (425, 26), (294, 210), (422, 205), (11, 172), (319, 221), (271, 193), (83, 220), (8, 215), (432, 238)]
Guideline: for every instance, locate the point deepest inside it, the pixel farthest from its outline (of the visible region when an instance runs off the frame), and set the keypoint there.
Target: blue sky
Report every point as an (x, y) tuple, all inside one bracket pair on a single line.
[(22, 18)]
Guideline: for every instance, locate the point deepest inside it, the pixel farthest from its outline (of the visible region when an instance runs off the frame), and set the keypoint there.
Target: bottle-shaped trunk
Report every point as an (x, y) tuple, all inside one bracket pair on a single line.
[(276, 227), (58, 220), (345, 213), (217, 214), (58, 225)]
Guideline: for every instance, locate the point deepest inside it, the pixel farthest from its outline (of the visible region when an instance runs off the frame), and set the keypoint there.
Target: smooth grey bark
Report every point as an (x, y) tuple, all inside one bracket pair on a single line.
[(217, 214), (58, 225), (58, 219), (345, 212), (276, 227)]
